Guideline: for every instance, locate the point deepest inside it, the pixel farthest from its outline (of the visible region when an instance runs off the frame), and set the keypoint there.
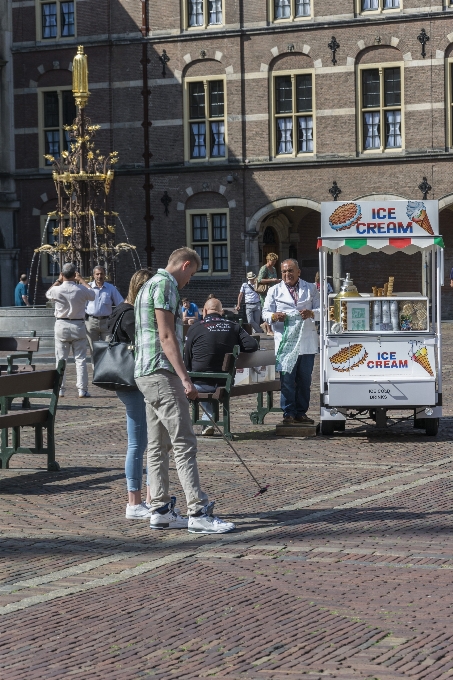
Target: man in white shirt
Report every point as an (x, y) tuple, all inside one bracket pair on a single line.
[(290, 296), (70, 294), (98, 311), (252, 302)]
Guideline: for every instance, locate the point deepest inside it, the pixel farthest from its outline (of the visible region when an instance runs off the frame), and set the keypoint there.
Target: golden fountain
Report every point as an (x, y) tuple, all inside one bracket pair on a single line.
[(85, 231)]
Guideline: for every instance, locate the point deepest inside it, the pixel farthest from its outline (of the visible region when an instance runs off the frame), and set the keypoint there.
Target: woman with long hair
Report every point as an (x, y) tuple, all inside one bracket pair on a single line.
[(137, 439)]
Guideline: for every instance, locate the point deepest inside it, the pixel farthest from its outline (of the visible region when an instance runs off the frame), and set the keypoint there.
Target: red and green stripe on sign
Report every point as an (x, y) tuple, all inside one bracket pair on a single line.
[(400, 243)]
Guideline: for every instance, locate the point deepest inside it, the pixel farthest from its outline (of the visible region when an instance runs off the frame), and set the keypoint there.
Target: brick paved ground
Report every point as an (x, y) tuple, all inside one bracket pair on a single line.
[(343, 569)]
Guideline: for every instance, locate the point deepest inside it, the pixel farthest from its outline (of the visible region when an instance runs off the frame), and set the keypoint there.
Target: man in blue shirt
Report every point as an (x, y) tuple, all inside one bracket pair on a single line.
[(98, 311), (190, 312), (21, 292)]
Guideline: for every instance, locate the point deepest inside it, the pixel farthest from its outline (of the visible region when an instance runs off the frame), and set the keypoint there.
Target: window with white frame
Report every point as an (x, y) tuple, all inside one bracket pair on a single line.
[(290, 9), (208, 236), (381, 114), (206, 119), (379, 5), (56, 20), (293, 114), (57, 110), (203, 13)]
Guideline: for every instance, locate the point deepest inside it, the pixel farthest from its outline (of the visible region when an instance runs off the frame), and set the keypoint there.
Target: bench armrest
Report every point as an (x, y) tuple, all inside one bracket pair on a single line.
[(20, 355)]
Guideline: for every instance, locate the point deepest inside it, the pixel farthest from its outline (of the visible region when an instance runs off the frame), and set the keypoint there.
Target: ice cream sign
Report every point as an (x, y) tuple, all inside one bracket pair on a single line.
[(372, 358), (380, 219)]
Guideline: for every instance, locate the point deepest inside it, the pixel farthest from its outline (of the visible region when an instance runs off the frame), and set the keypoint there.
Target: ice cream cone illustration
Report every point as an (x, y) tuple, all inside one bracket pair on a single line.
[(421, 357), (416, 211)]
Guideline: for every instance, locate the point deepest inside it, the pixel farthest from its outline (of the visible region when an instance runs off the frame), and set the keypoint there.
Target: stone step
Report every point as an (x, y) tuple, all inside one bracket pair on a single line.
[(297, 430)]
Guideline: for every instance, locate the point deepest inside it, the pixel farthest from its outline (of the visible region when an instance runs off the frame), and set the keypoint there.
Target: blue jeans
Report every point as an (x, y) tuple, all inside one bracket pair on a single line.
[(137, 437), (295, 387), (208, 406)]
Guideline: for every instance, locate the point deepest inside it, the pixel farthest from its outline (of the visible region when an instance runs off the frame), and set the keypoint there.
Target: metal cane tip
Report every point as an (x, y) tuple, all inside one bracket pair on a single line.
[(262, 490)]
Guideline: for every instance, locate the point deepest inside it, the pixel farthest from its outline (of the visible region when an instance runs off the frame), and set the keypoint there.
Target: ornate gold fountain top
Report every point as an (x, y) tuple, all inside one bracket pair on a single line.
[(80, 78)]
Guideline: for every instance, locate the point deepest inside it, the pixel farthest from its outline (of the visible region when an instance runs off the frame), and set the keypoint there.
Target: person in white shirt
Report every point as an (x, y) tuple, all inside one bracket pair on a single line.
[(70, 294), (252, 302), (98, 311), (290, 296)]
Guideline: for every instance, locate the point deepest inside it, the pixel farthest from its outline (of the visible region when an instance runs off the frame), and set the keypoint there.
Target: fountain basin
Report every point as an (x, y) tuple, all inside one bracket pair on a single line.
[(19, 321)]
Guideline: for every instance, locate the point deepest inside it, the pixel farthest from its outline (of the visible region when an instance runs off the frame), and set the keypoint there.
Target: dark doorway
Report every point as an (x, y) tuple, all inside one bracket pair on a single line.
[(270, 242)]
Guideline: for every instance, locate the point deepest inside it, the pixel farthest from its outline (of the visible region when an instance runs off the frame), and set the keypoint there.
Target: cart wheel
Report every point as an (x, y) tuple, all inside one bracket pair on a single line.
[(327, 427), (340, 426), (254, 418), (53, 467), (432, 426)]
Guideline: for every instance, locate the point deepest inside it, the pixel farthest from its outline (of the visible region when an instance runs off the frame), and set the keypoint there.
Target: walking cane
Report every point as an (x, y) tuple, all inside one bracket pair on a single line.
[(262, 489)]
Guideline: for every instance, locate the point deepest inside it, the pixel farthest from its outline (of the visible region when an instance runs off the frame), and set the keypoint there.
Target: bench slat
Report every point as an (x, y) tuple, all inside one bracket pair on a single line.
[(255, 388), (27, 382), (18, 368), (19, 344), (264, 357), (20, 418), (242, 390)]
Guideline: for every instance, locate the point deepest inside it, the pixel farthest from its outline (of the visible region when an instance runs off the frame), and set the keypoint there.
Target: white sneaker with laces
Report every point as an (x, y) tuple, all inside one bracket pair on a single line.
[(168, 517), (138, 511), (84, 394), (208, 523), (208, 431)]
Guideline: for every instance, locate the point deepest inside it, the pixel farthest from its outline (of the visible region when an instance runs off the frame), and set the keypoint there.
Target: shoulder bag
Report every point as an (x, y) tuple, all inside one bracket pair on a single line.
[(114, 363), (262, 287)]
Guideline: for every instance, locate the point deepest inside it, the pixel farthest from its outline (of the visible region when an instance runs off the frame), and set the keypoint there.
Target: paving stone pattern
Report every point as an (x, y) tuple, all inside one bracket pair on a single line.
[(342, 569)]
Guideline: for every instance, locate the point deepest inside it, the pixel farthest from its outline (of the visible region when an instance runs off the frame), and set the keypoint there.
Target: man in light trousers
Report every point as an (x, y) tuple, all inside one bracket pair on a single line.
[(70, 294), (252, 302), (99, 309), (162, 377)]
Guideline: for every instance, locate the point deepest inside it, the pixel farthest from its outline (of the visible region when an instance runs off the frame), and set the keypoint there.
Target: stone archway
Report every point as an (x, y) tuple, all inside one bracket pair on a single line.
[(284, 217)]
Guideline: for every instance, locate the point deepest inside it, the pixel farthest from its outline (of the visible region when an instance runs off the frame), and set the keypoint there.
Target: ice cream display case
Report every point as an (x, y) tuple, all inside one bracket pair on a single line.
[(380, 349)]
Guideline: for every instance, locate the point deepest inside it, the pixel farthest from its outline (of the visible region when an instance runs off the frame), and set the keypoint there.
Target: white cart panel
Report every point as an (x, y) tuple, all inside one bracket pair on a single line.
[(367, 357), (398, 394)]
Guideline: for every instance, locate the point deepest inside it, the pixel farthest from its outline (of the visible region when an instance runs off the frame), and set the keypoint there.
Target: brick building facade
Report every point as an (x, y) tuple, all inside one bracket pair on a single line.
[(253, 117)]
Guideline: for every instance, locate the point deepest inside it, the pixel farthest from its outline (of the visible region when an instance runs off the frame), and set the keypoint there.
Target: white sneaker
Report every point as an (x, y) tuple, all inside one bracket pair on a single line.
[(208, 431), (207, 523), (84, 394), (138, 511), (168, 517)]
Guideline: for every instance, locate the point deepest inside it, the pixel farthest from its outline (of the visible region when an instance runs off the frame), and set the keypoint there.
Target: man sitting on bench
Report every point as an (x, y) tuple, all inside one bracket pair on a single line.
[(206, 345)]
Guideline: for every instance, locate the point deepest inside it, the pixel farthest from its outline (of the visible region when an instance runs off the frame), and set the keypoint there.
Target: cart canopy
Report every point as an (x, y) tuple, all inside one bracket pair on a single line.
[(345, 246)]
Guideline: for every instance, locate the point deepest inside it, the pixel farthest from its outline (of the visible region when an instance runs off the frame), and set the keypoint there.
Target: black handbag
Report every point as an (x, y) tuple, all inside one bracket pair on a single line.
[(114, 364)]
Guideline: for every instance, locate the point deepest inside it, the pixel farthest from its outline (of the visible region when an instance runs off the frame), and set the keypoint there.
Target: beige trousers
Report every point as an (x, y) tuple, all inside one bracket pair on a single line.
[(170, 427), (96, 330), (72, 334)]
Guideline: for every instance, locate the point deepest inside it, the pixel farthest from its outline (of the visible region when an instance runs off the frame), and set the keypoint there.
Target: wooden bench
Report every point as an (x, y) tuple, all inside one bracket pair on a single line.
[(23, 348), (223, 395), (38, 385)]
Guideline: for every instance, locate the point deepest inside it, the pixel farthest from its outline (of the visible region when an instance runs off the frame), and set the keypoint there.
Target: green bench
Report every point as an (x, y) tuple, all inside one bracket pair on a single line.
[(23, 348), (221, 398), (35, 385)]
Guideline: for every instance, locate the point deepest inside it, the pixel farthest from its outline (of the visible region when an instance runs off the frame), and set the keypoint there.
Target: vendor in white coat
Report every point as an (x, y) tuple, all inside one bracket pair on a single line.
[(291, 295)]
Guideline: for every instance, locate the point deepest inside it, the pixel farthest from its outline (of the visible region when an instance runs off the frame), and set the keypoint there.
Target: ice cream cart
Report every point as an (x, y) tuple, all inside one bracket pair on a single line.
[(380, 348)]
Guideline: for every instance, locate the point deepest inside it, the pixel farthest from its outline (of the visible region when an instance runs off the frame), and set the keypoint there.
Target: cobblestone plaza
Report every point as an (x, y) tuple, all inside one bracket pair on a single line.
[(342, 569)]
